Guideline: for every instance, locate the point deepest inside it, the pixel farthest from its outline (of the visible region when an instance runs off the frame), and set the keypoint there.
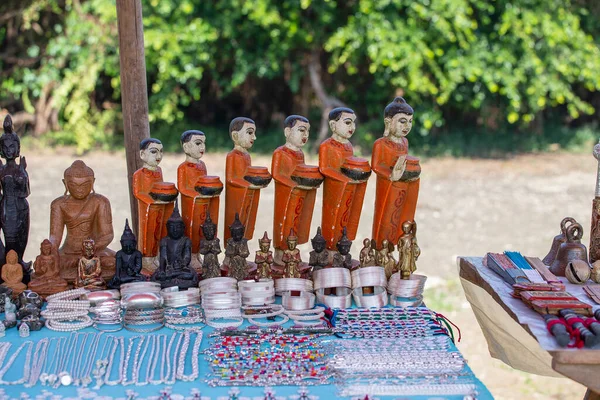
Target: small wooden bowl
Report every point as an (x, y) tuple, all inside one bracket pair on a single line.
[(307, 175), (209, 186), (413, 169), (258, 176), (357, 169), (164, 191)]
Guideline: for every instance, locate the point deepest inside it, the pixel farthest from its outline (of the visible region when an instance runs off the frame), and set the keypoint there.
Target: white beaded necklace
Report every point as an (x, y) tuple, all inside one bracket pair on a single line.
[(26, 368)]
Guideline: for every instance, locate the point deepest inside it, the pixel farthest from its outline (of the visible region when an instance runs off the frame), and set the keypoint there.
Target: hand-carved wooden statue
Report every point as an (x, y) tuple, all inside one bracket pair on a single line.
[(291, 257), (175, 256), (237, 250), (155, 200), (343, 259), (318, 257), (264, 258), (89, 271), (243, 181), (47, 278), (12, 273), (129, 261), (14, 208), (345, 178), (295, 185), (85, 214), (409, 250), (199, 192), (397, 174), (210, 248), (367, 254), (385, 258)]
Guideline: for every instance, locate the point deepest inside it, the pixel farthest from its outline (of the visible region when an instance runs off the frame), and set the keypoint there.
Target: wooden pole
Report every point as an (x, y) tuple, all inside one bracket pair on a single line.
[(134, 92)]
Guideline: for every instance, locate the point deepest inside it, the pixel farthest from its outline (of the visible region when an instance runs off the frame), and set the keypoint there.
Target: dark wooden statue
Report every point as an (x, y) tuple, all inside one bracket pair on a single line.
[(128, 261), (175, 255), (343, 259), (14, 208), (210, 248), (237, 250), (319, 257)]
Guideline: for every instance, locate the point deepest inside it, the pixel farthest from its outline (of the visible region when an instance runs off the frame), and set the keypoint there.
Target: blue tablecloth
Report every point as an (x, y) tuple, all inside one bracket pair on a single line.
[(324, 392)]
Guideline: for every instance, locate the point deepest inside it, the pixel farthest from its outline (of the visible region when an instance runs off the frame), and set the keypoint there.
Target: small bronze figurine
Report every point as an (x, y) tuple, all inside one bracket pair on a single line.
[(385, 258), (291, 257), (89, 270), (343, 259), (47, 278), (175, 255), (319, 257), (264, 258), (14, 208), (409, 250), (12, 273), (237, 250), (128, 261), (367, 254), (210, 248)]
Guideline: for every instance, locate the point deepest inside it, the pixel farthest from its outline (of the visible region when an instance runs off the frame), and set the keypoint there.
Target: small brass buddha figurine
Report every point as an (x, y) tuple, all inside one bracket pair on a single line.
[(291, 257), (175, 255), (237, 250), (384, 258), (263, 258), (89, 270), (128, 261), (210, 248), (367, 254), (409, 249), (12, 273), (318, 257), (343, 259), (47, 280)]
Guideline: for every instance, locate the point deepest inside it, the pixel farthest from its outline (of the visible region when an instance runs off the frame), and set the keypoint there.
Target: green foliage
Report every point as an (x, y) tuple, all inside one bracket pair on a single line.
[(494, 66)]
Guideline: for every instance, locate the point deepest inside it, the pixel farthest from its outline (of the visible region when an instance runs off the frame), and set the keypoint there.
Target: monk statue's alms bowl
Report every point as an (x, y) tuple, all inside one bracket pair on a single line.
[(413, 169), (164, 191), (258, 176), (356, 168), (307, 175), (209, 186)]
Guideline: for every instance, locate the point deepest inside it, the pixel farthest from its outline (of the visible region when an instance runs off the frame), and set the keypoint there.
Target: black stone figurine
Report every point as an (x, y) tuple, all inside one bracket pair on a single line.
[(210, 248), (128, 261), (237, 250), (318, 257), (175, 255), (14, 208), (343, 259)]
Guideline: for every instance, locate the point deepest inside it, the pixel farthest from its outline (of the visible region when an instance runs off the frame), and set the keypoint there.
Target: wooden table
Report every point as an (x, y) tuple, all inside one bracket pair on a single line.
[(518, 336)]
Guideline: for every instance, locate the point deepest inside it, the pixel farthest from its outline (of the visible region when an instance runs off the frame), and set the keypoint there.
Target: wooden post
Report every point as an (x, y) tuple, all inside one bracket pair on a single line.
[(134, 92)]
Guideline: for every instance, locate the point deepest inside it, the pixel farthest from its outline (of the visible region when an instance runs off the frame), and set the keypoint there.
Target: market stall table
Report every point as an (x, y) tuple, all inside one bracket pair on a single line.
[(518, 336)]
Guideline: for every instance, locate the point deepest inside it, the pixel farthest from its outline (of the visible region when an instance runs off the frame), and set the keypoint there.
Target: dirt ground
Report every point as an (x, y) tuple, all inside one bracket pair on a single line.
[(466, 207)]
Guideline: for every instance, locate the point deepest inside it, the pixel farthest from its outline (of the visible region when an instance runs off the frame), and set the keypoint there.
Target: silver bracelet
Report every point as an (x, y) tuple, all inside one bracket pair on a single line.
[(326, 278), (340, 300), (378, 299), (368, 277), (412, 287), (305, 301), (218, 284), (292, 284)]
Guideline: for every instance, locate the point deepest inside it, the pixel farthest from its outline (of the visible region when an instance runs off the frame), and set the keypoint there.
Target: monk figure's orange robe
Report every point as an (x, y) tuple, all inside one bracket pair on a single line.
[(239, 197), (193, 207), (395, 202), (153, 216), (342, 198), (293, 206)]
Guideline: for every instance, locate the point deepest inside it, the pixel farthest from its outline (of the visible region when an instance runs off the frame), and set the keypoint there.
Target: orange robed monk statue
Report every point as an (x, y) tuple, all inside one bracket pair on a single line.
[(155, 200), (295, 186), (85, 214), (199, 192), (345, 178), (397, 175), (243, 180)]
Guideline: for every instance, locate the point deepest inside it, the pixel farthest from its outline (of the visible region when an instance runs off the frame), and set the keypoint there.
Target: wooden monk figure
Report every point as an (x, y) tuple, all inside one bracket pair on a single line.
[(199, 192), (47, 278), (155, 200), (345, 178), (295, 185), (243, 181), (12, 273), (397, 174), (85, 214)]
